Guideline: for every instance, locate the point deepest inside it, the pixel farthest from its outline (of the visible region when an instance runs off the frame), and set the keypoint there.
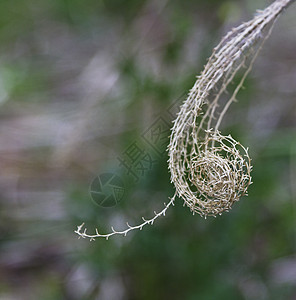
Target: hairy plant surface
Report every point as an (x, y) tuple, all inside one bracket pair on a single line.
[(211, 171)]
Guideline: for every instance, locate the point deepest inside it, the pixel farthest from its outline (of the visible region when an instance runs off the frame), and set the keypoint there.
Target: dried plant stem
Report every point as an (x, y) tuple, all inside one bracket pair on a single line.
[(196, 140), (83, 233), (211, 171)]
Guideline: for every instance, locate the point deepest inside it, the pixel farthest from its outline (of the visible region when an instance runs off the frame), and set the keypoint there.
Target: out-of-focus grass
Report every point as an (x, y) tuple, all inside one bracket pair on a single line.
[(82, 81)]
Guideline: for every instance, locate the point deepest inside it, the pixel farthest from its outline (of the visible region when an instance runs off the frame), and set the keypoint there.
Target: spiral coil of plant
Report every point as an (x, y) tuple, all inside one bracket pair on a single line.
[(220, 172), (210, 171)]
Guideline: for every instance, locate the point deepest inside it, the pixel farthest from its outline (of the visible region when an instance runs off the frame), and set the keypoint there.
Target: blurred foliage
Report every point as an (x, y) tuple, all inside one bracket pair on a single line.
[(81, 81)]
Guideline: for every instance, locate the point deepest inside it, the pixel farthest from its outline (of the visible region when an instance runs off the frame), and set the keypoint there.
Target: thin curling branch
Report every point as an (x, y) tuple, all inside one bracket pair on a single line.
[(209, 170), (82, 232)]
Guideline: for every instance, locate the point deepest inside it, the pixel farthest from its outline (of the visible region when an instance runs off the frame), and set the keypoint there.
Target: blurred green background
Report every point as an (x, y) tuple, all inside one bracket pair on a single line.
[(82, 81)]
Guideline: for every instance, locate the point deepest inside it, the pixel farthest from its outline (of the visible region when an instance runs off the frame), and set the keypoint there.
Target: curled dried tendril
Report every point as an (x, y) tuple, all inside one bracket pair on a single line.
[(220, 172), (211, 171)]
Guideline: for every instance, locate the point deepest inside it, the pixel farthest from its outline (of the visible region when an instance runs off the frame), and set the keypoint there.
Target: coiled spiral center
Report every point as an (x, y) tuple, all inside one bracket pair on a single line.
[(220, 173)]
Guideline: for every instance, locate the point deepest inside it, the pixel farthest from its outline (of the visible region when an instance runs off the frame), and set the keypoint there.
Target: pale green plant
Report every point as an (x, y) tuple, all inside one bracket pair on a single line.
[(211, 171)]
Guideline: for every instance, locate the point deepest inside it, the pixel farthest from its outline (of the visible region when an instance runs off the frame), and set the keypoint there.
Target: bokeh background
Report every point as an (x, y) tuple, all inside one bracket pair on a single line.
[(84, 83)]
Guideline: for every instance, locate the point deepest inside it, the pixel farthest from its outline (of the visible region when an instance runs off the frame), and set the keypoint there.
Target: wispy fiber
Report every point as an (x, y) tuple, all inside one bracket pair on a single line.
[(211, 171)]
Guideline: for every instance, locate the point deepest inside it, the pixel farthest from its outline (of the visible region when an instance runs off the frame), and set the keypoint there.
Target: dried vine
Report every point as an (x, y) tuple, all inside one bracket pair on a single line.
[(211, 171)]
